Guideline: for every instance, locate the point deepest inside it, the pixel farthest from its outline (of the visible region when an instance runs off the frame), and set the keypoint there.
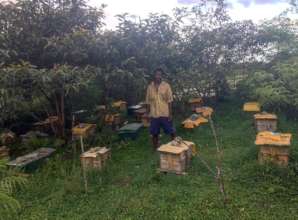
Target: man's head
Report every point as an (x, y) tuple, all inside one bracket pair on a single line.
[(158, 75)]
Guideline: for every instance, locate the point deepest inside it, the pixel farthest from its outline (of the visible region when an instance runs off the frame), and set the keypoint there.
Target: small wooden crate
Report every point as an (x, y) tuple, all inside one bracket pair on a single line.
[(83, 130), (172, 159), (251, 107), (95, 158), (265, 122), (4, 152), (273, 147), (195, 103)]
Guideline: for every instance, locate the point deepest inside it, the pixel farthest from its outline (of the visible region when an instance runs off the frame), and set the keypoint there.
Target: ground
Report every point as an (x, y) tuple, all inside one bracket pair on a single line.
[(130, 187)]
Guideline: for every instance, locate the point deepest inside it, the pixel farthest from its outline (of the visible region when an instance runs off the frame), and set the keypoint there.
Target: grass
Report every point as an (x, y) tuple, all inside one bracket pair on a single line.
[(130, 187)]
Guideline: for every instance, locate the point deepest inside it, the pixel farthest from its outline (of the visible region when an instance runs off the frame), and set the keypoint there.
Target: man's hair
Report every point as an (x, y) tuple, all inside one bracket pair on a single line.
[(159, 70)]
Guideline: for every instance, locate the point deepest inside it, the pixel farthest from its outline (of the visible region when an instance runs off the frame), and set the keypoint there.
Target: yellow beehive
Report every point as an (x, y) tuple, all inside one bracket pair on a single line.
[(195, 103), (205, 111), (121, 105), (274, 147), (251, 107), (95, 158), (190, 124), (265, 122), (83, 129)]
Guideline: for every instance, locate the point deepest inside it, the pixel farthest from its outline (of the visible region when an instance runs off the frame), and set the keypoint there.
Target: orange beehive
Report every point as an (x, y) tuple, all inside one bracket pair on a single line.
[(83, 129), (195, 103), (113, 119), (251, 107), (95, 158), (205, 111), (265, 122), (274, 147), (194, 121)]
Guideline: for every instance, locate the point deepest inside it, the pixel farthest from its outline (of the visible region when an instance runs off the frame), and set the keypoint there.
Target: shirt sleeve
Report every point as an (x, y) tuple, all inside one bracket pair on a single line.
[(170, 94)]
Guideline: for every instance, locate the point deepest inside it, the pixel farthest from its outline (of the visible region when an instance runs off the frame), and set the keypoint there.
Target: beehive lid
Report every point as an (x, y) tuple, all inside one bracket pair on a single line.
[(93, 152), (170, 149), (82, 128), (141, 111), (133, 127), (135, 107), (28, 158), (195, 100), (251, 107), (265, 116), (205, 110), (272, 138)]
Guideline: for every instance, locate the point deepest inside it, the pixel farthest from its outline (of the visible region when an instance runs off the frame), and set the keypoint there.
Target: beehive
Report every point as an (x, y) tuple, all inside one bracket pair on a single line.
[(131, 109), (4, 152), (251, 107), (273, 147), (172, 159), (194, 121), (95, 158), (188, 146), (139, 113), (265, 122), (121, 105), (146, 120), (205, 111), (130, 131), (195, 103), (83, 129)]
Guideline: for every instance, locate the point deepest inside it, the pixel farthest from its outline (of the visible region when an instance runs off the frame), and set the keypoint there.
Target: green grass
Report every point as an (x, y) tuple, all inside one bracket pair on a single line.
[(130, 187)]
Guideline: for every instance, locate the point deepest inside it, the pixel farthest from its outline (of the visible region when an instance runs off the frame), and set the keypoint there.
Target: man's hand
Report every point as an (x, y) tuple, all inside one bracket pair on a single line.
[(170, 117)]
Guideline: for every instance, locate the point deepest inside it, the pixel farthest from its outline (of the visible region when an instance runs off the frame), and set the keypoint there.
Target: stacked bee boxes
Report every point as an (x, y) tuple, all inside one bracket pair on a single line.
[(121, 105), (265, 122), (274, 147), (95, 158), (175, 156)]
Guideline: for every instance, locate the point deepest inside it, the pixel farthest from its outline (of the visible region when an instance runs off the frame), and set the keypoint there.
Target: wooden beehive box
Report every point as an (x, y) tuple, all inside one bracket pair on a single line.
[(121, 105), (273, 147), (195, 103), (265, 122), (83, 130), (205, 111), (95, 158), (251, 107), (140, 113), (4, 152), (194, 121), (172, 159)]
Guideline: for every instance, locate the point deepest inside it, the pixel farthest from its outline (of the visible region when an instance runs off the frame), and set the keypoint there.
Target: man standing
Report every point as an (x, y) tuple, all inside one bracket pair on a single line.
[(159, 100)]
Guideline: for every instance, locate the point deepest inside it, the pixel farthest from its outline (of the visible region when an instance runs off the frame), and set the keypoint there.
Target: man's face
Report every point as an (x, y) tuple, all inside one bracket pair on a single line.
[(157, 77)]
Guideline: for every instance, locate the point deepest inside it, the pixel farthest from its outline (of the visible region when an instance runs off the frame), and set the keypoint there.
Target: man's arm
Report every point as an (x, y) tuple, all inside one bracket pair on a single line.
[(170, 101), (147, 101)]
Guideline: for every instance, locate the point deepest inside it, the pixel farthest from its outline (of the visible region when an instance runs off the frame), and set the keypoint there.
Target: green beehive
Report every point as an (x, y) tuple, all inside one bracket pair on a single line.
[(130, 131)]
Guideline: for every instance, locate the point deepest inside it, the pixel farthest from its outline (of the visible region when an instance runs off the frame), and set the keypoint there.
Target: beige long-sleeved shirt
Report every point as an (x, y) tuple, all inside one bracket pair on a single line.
[(159, 98)]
